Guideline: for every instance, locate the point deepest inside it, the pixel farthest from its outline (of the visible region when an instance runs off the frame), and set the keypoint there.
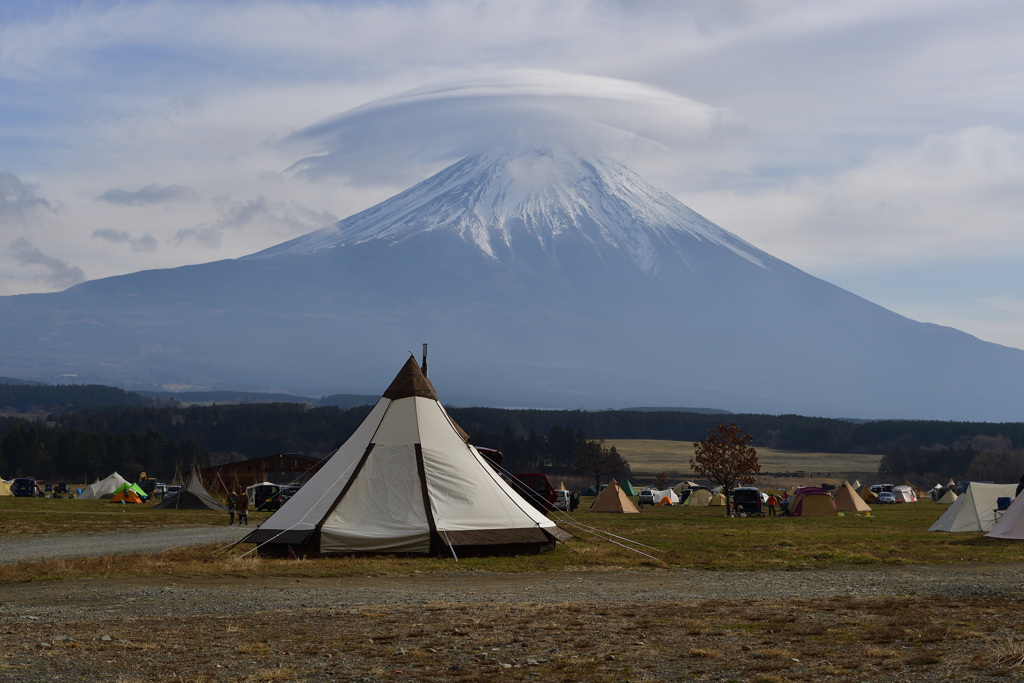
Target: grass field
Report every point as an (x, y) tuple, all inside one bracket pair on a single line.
[(648, 457), (675, 537)]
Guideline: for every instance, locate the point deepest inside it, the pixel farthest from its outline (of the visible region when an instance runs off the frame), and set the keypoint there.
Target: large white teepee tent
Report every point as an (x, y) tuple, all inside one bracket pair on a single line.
[(975, 510), (407, 481), (104, 488)]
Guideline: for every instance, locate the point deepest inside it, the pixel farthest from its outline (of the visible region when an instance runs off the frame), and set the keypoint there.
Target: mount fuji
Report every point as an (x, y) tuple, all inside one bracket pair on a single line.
[(540, 279)]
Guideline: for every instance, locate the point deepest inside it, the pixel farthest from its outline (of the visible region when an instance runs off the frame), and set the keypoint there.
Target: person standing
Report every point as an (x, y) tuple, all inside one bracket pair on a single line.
[(242, 507), (772, 502), (232, 502)]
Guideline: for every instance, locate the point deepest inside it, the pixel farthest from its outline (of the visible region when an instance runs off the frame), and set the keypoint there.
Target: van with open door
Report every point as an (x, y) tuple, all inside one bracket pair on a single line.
[(746, 499)]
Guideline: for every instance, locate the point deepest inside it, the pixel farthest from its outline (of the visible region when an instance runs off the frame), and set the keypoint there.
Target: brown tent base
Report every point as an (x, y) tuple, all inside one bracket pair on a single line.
[(284, 550)]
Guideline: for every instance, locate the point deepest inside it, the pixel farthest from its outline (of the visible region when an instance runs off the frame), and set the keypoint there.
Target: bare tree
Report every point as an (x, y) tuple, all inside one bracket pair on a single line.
[(594, 459), (726, 458)]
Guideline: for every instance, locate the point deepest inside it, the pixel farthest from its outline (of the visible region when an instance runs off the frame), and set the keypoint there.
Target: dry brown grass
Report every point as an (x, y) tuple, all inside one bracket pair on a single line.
[(648, 457), (1008, 655)]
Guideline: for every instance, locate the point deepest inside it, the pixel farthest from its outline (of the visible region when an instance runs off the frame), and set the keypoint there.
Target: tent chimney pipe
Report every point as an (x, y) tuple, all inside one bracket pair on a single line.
[(424, 368)]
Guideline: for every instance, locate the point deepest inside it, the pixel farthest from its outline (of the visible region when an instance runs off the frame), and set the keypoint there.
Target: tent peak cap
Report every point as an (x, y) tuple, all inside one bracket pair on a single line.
[(410, 381)]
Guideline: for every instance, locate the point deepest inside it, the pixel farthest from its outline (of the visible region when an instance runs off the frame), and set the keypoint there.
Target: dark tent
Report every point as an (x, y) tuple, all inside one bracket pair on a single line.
[(191, 496)]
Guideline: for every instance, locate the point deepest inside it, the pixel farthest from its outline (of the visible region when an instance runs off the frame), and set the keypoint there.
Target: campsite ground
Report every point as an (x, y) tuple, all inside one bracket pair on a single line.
[(845, 599)]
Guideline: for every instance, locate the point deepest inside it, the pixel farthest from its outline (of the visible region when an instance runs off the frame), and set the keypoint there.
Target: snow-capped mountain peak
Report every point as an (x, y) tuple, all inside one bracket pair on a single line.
[(497, 199)]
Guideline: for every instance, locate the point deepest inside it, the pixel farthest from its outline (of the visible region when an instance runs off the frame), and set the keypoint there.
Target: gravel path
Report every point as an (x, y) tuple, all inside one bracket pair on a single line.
[(951, 622), (189, 597), (56, 546)]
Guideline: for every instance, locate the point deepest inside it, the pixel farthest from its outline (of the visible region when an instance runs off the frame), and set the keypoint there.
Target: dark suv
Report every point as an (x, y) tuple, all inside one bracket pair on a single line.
[(266, 497), (25, 488)]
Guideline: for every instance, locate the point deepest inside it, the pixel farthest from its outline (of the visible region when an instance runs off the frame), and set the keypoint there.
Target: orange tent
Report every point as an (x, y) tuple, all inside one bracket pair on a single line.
[(126, 496)]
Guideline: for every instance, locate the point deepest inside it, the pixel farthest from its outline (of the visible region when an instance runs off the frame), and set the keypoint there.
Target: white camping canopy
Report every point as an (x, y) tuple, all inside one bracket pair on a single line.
[(975, 510), (660, 496), (104, 488), (407, 481), (1011, 523)]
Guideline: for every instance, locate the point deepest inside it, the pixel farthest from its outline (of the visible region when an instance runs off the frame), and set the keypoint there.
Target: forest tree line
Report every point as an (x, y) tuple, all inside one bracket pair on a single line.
[(81, 438)]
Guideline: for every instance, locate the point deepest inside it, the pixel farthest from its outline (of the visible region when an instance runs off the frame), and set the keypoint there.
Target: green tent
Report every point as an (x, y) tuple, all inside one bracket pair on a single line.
[(628, 489), (131, 486)]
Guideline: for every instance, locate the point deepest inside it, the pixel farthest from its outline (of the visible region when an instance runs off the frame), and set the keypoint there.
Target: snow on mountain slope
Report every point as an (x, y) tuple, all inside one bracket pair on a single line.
[(546, 194)]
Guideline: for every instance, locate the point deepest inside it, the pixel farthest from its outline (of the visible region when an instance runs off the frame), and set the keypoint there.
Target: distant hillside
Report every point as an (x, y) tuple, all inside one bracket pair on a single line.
[(65, 398), (227, 397), (348, 400), (248, 397), (698, 411)]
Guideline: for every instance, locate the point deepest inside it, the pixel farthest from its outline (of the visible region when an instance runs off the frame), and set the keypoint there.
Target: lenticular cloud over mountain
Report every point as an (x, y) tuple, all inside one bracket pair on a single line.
[(518, 110), (540, 277)]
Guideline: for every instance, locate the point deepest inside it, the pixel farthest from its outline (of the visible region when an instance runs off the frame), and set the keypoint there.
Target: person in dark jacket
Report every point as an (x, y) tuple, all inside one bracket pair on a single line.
[(242, 507), (232, 499)]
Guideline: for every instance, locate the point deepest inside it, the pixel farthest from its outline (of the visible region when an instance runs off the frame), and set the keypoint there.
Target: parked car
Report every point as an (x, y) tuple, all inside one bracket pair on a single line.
[(289, 491), (24, 488), (646, 496), (265, 497), (886, 498), (746, 499), (563, 500)]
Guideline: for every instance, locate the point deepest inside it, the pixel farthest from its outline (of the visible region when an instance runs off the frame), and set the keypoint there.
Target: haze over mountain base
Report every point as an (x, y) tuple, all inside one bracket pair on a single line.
[(540, 279)]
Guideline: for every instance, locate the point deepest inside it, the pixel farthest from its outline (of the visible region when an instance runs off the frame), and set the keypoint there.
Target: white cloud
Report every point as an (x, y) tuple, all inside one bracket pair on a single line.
[(138, 244), (285, 217), (440, 123), (956, 193), (20, 202), (56, 273), (150, 194)]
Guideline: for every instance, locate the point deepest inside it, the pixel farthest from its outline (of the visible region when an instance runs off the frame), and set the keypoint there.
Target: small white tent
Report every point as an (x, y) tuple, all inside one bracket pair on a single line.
[(904, 494), (407, 481), (1011, 523), (660, 496), (975, 510), (948, 498), (104, 488)]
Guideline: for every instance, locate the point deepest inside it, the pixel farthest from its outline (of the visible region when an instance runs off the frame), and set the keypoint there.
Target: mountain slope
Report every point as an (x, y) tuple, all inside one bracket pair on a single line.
[(539, 279)]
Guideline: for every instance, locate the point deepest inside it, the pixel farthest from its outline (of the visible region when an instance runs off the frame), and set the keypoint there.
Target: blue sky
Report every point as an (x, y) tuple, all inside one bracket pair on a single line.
[(877, 145)]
